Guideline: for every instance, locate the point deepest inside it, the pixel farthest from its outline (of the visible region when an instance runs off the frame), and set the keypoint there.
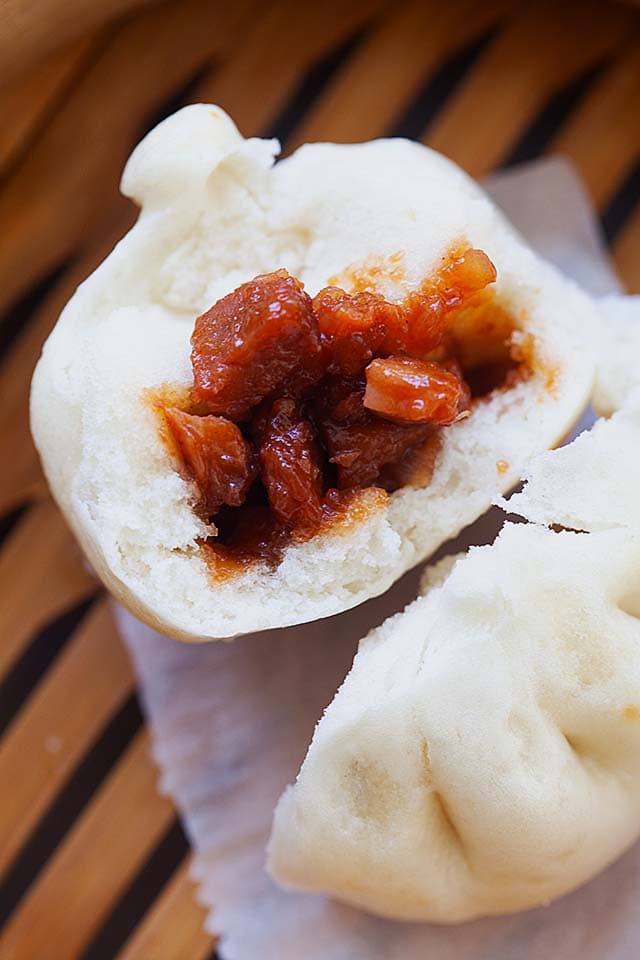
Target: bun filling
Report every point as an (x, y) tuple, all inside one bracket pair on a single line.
[(306, 413)]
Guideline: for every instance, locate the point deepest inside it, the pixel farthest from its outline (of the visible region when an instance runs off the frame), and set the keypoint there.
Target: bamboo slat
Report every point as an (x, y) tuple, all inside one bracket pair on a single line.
[(255, 84), (30, 31), (543, 46), (379, 80), (602, 137), (42, 574), (93, 865), (58, 724), (626, 254), (27, 100), (174, 929)]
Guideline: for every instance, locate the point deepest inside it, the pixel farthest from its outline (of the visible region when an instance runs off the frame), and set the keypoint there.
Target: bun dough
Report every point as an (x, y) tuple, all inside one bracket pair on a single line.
[(215, 212), (483, 754), (591, 484), (618, 352)]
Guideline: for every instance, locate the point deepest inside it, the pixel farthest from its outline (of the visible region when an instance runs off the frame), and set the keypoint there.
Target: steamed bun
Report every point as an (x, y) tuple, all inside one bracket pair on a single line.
[(483, 754), (216, 211)]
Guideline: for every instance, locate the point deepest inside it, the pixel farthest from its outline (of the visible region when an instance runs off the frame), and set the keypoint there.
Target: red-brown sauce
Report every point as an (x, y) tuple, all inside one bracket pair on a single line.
[(305, 413)]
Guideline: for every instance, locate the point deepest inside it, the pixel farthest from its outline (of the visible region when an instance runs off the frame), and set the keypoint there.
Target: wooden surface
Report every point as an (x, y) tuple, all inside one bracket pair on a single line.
[(93, 860)]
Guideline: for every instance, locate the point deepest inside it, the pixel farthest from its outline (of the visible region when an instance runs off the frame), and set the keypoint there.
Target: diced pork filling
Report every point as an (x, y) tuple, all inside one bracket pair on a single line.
[(414, 391), (301, 403), (218, 457)]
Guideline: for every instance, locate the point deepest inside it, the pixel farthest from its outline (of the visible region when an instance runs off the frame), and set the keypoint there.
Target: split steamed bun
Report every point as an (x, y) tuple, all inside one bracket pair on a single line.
[(215, 212), (483, 754)]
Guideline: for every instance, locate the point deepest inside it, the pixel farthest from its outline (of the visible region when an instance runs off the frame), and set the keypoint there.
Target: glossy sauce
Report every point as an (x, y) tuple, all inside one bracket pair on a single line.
[(305, 413)]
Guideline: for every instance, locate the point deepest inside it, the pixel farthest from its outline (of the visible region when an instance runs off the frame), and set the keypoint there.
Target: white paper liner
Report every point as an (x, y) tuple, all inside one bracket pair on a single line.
[(231, 724)]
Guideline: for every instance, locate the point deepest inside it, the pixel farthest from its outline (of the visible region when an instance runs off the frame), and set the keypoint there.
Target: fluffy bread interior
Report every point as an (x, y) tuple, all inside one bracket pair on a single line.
[(216, 211)]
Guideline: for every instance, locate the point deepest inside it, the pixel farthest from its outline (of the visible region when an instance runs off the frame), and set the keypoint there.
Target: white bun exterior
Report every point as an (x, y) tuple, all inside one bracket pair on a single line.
[(483, 755), (591, 484), (215, 212), (618, 352)]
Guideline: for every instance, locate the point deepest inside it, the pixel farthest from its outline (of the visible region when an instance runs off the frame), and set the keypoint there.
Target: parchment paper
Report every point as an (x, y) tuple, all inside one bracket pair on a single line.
[(231, 723)]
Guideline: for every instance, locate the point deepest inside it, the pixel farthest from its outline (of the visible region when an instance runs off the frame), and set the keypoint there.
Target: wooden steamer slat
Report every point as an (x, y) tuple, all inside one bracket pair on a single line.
[(602, 137), (161, 935), (42, 575), (626, 254), (74, 701), (543, 46), (378, 81), (254, 85), (27, 100), (101, 853), (28, 31)]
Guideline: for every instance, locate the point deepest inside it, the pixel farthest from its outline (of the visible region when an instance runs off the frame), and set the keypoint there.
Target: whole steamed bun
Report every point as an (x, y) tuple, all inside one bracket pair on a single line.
[(216, 211)]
